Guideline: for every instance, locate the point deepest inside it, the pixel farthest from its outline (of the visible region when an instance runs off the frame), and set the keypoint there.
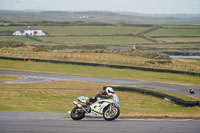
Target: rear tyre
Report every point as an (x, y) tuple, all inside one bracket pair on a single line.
[(109, 116), (77, 113)]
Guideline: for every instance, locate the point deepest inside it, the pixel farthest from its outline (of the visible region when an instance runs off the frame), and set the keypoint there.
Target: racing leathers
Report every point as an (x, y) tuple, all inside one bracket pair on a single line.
[(101, 94)]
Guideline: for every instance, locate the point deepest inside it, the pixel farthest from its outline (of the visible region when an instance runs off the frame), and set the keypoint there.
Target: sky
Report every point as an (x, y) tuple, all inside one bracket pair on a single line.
[(139, 6)]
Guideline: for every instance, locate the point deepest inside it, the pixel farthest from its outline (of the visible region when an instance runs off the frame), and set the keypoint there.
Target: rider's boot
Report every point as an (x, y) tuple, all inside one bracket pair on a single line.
[(88, 105)]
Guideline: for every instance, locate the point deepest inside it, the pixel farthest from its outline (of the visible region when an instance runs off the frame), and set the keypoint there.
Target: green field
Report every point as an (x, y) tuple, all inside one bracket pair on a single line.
[(23, 39), (175, 32), (91, 30), (179, 39), (181, 26), (108, 40), (149, 39), (58, 97), (9, 28), (58, 35), (109, 35), (93, 40), (100, 72), (83, 30)]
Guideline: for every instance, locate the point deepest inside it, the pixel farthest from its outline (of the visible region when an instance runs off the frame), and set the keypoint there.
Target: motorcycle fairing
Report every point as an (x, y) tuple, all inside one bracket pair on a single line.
[(83, 99), (97, 108)]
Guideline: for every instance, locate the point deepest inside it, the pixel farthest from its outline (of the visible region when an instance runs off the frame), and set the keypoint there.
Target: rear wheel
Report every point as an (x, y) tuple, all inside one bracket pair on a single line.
[(77, 113), (111, 115)]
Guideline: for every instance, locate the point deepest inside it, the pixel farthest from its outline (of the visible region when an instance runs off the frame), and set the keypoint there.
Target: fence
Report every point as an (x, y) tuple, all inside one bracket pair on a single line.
[(104, 65), (101, 59)]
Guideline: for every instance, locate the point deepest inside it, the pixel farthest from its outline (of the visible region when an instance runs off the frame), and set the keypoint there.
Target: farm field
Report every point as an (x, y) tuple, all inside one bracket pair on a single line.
[(108, 35), (7, 28), (112, 40), (108, 40), (23, 39), (95, 35), (83, 30), (72, 42), (175, 32), (181, 26), (92, 30), (179, 39)]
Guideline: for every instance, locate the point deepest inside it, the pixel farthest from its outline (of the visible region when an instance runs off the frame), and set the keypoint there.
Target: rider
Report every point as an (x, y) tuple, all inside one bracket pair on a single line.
[(105, 93)]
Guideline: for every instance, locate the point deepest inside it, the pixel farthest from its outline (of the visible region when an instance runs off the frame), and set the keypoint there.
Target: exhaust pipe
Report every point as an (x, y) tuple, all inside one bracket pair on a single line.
[(80, 106)]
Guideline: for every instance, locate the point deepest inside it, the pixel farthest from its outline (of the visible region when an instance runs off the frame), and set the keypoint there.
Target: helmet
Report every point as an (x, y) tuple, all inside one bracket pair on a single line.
[(109, 91)]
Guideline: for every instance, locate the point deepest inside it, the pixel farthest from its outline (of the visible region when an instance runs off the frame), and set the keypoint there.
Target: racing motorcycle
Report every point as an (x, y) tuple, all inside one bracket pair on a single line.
[(106, 108)]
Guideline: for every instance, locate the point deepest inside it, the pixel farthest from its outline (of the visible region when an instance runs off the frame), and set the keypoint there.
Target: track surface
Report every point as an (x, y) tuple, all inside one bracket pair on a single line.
[(28, 122), (33, 77)]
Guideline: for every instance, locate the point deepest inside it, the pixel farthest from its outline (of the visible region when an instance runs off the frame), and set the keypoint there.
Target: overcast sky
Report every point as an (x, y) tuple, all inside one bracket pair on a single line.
[(140, 6)]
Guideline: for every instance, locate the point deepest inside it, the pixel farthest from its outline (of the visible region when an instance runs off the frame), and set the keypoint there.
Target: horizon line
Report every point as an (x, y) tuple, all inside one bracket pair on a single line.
[(34, 10)]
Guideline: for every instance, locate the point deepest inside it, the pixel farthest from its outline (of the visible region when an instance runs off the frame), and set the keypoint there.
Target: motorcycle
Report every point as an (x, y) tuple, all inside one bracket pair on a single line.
[(106, 108)]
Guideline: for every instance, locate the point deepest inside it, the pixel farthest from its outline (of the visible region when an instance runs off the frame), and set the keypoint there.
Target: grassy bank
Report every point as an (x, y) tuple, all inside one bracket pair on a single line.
[(149, 59), (177, 95), (100, 72), (4, 77), (58, 97)]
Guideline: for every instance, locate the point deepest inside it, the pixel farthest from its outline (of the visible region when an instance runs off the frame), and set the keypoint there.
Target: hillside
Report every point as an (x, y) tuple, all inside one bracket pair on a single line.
[(101, 16)]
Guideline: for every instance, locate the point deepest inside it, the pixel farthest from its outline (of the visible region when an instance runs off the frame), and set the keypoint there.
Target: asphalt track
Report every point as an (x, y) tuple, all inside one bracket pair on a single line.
[(34, 77), (29, 122)]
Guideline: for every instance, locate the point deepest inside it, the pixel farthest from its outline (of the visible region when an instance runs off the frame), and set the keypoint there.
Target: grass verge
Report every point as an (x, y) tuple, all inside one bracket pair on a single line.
[(100, 72), (177, 95), (4, 77), (58, 97)]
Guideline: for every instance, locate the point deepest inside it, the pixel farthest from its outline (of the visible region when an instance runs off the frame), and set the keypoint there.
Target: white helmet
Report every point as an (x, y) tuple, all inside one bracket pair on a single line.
[(109, 91)]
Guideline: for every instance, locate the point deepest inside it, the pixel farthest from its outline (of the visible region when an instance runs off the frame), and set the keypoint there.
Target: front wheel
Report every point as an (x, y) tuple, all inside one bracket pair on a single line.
[(77, 113), (111, 115)]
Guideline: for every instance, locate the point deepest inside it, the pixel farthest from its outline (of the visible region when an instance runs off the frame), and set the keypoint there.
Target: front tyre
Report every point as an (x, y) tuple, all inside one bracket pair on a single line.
[(111, 115), (77, 113)]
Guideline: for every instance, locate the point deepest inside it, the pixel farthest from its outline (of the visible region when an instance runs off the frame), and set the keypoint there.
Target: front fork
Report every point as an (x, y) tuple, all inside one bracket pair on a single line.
[(110, 108)]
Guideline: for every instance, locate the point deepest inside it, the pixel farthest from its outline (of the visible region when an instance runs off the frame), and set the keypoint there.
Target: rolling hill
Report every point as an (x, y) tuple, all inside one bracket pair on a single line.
[(100, 16)]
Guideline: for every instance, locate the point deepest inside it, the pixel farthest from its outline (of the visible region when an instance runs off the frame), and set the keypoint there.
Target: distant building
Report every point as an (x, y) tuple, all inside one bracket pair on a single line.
[(83, 17), (121, 48), (134, 48), (29, 31)]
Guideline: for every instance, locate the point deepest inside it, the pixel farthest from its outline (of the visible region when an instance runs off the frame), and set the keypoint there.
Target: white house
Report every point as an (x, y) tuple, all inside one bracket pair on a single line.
[(29, 31)]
